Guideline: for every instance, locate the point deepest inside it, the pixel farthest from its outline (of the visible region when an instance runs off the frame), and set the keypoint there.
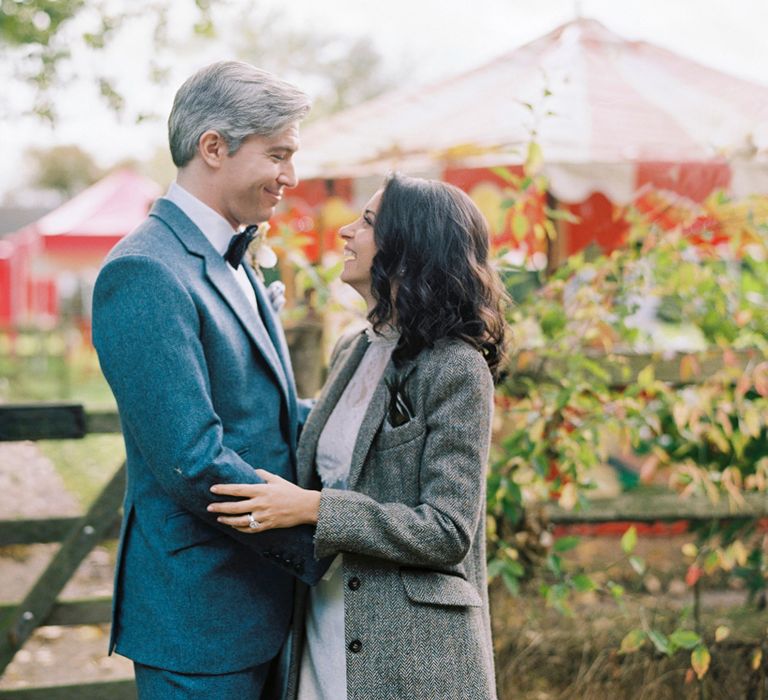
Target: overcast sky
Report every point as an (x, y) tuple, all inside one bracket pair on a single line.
[(420, 41)]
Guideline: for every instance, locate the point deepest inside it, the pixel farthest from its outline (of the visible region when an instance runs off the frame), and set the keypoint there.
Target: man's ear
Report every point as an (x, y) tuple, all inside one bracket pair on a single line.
[(212, 148)]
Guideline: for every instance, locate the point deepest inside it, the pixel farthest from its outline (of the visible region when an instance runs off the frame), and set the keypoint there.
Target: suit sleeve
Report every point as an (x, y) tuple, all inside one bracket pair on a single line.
[(439, 530), (155, 364)]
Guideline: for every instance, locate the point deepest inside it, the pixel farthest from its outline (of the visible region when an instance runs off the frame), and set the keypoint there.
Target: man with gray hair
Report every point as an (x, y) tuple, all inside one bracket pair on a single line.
[(198, 363)]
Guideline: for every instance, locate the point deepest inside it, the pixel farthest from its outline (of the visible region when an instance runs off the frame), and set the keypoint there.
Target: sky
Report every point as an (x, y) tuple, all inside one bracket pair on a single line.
[(420, 41)]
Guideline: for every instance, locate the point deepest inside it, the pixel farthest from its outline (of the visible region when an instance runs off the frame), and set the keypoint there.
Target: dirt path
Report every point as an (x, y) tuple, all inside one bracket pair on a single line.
[(30, 487)]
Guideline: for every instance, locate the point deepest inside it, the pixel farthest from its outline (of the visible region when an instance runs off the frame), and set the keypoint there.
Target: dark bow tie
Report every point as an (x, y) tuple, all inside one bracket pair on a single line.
[(239, 244)]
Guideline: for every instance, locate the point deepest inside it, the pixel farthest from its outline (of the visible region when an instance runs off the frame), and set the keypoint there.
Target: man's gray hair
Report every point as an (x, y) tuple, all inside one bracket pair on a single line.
[(234, 99)]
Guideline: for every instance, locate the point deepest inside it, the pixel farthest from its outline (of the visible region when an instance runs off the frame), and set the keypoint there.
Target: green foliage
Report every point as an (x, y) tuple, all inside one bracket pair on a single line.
[(35, 21), (64, 169), (588, 381), (42, 35)]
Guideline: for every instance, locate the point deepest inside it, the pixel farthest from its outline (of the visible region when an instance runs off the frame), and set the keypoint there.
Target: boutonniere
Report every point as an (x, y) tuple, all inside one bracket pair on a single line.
[(400, 405), (261, 254)]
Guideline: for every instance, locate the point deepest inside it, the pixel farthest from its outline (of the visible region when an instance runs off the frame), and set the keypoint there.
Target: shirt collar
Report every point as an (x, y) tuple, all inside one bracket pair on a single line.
[(213, 225)]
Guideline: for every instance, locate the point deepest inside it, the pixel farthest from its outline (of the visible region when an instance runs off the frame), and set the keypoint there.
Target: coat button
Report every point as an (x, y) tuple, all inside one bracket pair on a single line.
[(353, 583), (355, 646)]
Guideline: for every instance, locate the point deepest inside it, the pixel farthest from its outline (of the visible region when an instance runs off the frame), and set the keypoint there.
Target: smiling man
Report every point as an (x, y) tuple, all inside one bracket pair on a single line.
[(199, 366)]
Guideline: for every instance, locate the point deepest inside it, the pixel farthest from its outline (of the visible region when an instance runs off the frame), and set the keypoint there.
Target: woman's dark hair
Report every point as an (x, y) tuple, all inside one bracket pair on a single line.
[(432, 251)]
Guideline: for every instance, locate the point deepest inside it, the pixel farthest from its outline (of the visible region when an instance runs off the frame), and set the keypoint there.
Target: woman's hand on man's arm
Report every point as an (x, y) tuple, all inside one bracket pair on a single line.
[(277, 503)]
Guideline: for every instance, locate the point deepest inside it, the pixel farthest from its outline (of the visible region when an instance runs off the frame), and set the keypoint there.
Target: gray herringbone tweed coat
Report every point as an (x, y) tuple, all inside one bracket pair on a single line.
[(412, 530)]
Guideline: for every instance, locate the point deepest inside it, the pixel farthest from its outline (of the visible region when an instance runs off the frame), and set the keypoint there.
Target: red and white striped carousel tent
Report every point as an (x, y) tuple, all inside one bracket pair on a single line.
[(610, 115)]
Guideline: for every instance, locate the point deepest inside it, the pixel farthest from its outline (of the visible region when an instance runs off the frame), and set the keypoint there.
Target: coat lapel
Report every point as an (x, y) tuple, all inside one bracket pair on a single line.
[(329, 397), (224, 282), (272, 324), (374, 417)]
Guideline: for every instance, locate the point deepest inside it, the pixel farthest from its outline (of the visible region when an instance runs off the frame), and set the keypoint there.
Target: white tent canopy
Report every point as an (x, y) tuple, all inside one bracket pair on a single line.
[(596, 103)]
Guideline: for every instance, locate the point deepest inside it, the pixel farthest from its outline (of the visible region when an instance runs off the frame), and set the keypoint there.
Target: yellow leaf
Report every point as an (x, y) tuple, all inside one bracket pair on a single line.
[(632, 641), (757, 659), (519, 226), (725, 422), (690, 549), (700, 660), (680, 413), (721, 633), (740, 553), (534, 158), (549, 227), (751, 420), (568, 496), (537, 430), (689, 367), (645, 377), (629, 540)]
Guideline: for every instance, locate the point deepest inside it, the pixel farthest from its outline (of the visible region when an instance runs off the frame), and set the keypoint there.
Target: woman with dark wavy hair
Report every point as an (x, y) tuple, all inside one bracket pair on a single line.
[(392, 460)]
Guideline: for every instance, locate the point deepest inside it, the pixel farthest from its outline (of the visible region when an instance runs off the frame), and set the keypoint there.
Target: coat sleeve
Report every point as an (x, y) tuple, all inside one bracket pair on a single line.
[(155, 364), (438, 531)]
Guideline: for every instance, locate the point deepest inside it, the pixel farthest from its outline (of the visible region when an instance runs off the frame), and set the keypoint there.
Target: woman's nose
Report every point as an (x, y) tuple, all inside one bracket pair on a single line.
[(346, 231)]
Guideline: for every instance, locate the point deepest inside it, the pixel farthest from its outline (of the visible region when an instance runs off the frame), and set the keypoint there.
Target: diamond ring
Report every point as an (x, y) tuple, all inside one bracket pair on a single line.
[(252, 522)]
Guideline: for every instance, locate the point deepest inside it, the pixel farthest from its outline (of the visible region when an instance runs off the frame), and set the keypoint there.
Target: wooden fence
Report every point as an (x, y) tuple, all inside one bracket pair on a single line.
[(78, 536)]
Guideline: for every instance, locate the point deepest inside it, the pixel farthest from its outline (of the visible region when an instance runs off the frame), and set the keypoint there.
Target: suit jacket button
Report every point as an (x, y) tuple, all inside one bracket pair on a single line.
[(353, 583), (355, 646)]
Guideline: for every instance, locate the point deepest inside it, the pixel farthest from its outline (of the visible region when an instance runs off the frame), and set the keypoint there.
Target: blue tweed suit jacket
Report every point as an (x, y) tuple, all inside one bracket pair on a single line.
[(206, 394)]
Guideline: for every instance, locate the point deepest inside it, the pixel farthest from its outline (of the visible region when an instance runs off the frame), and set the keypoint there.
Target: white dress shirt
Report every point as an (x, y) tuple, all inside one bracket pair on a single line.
[(216, 229)]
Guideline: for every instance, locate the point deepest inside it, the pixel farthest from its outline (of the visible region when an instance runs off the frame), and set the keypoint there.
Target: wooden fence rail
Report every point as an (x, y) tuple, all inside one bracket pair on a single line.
[(78, 536)]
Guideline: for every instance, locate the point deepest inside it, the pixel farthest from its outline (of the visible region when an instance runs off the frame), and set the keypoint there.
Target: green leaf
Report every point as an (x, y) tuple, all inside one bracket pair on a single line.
[(583, 583), (495, 567), (555, 564), (660, 641), (632, 641), (519, 226), (562, 215), (617, 590), (507, 175), (512, 583), (629, 540), (684, 639), (563, 544)]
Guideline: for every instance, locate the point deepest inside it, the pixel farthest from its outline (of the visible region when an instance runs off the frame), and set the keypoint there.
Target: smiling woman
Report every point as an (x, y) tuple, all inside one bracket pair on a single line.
[(392, 459), (360, 249)]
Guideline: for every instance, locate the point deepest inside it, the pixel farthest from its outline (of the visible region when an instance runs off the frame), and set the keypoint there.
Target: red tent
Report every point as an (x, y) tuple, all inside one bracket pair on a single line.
[(67, 245), (609, 114), (83, 230)]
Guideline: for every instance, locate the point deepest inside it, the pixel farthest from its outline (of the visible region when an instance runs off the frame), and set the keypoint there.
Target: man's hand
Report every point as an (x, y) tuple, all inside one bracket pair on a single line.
[(276, 503)]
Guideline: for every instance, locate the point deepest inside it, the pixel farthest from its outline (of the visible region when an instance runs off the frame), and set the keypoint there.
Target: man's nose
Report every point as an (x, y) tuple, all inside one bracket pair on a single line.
[(287, 177)]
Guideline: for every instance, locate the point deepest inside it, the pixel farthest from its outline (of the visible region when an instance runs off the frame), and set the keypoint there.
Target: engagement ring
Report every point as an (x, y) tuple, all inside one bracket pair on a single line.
[(252, 522)]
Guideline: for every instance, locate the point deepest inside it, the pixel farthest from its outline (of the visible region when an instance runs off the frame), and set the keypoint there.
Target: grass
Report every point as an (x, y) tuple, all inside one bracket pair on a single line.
[(543, 655), (85, 465), (39, 367)]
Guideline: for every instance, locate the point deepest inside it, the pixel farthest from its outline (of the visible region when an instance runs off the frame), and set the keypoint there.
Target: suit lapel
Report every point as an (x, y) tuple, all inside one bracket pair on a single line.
[(272, 324), (221, 278)]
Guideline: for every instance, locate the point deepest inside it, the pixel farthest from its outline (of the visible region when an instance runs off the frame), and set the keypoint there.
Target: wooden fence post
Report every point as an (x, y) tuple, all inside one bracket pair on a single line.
[(40, 601)]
